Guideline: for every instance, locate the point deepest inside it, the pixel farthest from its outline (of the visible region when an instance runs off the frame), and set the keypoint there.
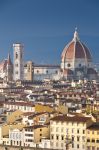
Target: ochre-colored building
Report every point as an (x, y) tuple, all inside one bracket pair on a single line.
[(92, 135)]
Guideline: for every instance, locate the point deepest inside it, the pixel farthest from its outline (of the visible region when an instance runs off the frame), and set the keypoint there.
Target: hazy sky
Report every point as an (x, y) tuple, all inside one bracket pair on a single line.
[(46, 26)]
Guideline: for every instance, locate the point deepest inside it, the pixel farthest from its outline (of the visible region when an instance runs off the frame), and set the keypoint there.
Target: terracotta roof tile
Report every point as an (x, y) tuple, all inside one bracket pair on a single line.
[(65, 118)]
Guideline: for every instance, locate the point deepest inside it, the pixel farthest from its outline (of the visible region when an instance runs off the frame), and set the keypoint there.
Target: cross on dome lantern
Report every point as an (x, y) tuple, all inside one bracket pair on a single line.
[(76, 37)]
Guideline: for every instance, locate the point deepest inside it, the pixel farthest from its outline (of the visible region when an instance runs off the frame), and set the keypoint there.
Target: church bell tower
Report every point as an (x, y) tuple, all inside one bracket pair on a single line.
[(18, 73)]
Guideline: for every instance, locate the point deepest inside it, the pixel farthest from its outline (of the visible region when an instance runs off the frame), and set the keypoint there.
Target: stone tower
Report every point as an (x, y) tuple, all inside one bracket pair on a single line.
[(29, 75), (18, 72), (9, 69)]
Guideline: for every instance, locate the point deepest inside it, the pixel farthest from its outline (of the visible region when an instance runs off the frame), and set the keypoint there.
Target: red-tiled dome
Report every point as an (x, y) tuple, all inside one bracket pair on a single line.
[(76, 49)]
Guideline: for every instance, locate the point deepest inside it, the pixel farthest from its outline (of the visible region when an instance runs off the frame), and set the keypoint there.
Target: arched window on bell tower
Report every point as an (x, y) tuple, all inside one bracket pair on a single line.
[(28, 68), (16, 55)]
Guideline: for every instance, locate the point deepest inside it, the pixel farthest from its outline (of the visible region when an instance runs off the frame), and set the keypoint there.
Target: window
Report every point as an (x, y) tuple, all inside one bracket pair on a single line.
[(57, 137), (83, 131), (40, 129), (88, 132), (72, 138), (47, 71), (52, 137), (16, 55), (93, 140), (77, 138), (77, 130), (30, 140), (83, 138), (30, 135), (29, 130), (62, 144), (62, 137), (88, 140), (29, 69), (72, 145), (68, 65), (40, 134), (79, 65), (97, 141), (77, 145), (37, 71)]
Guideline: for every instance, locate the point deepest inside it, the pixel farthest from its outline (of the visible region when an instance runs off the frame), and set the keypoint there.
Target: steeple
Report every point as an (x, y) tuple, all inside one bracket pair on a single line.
[(76, 37), (9, 60)]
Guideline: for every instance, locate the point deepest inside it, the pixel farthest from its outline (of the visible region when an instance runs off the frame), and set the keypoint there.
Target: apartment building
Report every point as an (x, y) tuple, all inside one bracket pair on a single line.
[(16, 137), (69, 128), (93, 136), (34, 134), (23, 106)]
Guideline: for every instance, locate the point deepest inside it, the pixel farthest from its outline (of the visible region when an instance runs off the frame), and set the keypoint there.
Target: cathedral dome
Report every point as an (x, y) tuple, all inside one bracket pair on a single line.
[(76, 50)]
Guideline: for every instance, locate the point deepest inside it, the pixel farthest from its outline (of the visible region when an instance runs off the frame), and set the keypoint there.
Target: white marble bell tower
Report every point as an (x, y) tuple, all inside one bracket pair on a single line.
[(18, 71)]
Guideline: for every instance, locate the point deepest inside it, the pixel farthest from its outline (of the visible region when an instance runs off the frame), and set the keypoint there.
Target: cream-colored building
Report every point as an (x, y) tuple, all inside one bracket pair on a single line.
[(72, 129), (23, 106)]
